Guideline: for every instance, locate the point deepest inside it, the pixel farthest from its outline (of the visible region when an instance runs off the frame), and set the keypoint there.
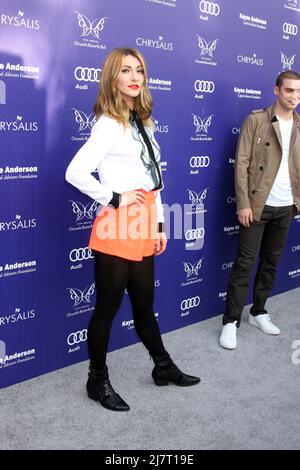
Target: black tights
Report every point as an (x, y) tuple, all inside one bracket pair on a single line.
[(112, 276)]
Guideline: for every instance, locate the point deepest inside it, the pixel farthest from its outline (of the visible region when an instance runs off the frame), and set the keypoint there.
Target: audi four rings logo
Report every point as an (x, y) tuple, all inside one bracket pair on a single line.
[(194, 234), (86, 74), (80, 254), (209, 8), (204, 86), (78, 337), (289, 28), (199, 162), (190, 303)]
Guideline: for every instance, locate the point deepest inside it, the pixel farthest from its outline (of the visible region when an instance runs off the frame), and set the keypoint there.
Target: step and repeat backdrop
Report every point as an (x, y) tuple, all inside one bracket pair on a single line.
[(210, 63)]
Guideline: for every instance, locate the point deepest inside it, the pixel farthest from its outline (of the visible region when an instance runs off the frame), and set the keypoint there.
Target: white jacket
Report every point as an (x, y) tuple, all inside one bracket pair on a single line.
[(115, 154)]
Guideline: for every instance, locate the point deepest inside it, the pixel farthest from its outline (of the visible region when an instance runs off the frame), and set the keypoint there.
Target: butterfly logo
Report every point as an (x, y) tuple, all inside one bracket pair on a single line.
[(286, 61), (84, 121), (197, 199), (207, 48), (191, 269), (82, 296), (90, 27), (82, 211), (202, 124)]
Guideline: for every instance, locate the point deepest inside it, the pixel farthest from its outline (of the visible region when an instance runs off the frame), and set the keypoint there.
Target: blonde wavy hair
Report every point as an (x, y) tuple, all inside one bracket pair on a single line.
[(109, 100)]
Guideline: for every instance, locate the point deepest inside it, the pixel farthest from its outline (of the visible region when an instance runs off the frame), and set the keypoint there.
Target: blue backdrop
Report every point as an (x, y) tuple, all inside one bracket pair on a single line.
[(209, 64)]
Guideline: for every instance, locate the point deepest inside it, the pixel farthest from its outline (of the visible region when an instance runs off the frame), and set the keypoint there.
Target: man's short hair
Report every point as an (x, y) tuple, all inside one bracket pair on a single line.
[(289, 74)]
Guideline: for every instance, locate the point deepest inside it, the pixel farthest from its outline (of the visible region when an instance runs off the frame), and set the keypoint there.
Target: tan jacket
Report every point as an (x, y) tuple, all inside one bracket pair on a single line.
[(258, 156)]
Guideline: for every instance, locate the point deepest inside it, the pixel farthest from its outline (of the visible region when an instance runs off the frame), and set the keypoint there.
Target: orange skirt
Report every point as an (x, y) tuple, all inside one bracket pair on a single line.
[(128, 232)]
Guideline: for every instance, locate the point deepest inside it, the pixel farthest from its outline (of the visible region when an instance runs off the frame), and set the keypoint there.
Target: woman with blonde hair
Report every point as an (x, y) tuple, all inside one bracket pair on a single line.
[(128, 230)]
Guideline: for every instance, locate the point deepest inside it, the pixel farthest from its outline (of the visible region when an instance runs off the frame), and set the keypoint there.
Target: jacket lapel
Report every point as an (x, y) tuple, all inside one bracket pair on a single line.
[(295, 129), (275, 124)]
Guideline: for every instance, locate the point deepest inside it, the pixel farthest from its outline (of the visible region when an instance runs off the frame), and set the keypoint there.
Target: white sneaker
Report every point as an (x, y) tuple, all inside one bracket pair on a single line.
[(228, 336), (263, 321)]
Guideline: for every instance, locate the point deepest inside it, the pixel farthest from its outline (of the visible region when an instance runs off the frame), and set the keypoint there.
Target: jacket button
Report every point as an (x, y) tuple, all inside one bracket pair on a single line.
[(267, 144), (261, 167), (253, 192)]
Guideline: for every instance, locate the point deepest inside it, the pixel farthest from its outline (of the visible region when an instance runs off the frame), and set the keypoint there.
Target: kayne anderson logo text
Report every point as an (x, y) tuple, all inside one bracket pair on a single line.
[(18, 268), (159, 43), (232, 229), (247, 93), (19, 21), (253, 21), (16, 358), (18, 172), (159, 84), (129, 324), (90, 31), (19, 71), (251, 60), (18, 125), (17, 224), (294, 273)]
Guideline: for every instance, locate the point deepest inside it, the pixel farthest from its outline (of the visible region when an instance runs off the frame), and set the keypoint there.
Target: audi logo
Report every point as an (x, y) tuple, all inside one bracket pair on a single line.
[(80, 254), (204, 86), (194, 234), (209, 8), (190, 303), (236, 130), (78, 337), (199, 162), (289, 28), (86, 74)]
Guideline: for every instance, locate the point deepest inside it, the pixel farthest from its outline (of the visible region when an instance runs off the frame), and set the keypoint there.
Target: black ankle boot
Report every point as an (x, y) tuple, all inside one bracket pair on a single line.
[(99, 389), (166, 371)]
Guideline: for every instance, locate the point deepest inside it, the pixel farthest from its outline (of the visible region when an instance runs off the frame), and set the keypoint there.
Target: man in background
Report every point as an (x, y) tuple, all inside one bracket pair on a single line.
[(267, 183)]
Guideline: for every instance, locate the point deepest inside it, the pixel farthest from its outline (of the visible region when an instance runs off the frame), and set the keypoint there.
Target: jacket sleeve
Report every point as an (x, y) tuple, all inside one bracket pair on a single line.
[(104, 135), (242, 162)]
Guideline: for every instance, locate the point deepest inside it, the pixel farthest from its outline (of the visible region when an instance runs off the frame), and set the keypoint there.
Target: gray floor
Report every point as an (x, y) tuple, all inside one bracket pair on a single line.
[(248, 398)]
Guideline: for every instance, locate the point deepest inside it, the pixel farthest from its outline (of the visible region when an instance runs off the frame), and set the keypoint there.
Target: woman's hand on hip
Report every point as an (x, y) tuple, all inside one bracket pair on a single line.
[(160, 243), (132, 197)]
